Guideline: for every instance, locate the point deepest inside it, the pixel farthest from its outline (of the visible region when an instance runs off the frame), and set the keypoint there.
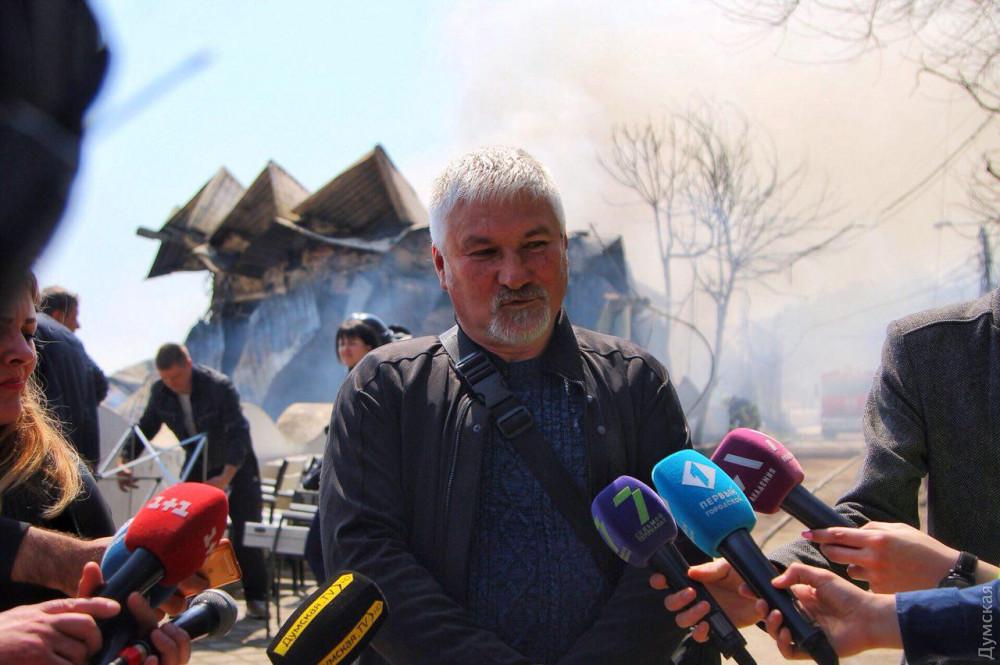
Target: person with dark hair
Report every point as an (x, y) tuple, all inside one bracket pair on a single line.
[(356, 336), (73, 384), (192, 399), (62, 305)]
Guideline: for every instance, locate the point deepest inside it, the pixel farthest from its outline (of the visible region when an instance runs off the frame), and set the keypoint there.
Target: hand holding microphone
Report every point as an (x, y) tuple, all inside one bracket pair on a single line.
[(173, 645), (637, 526), (716, 516), (167, 542), (892, 557), (854, 620), (212, 613)]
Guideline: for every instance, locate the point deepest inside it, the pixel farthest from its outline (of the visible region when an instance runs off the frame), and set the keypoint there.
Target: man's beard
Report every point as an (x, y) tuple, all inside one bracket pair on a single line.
[(522, 325)]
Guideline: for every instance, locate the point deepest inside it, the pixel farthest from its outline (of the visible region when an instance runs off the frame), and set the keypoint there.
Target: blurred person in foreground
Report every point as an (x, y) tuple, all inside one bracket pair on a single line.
[(932, 413), (422, 493), (52, 62), (192, 399), (73, 384), (48, 497)]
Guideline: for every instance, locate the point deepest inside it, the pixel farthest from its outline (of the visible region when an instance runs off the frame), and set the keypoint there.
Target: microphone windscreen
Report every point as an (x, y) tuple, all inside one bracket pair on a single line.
[(332, 625), (633, 520), (212, 613), (180, 526), (763, 468), (706, 503)]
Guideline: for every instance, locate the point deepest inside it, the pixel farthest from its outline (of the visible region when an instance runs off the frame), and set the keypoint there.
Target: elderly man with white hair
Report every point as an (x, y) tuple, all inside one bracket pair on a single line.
[(456, 464)]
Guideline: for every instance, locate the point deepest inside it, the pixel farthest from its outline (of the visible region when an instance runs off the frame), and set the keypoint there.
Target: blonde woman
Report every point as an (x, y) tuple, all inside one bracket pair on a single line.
[(48, 500)]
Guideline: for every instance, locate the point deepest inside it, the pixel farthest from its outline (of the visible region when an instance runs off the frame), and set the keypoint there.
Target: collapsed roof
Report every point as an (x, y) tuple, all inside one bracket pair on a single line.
[(230, 230)]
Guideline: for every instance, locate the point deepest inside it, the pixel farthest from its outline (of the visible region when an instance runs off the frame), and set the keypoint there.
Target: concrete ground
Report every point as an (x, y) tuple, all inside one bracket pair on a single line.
[(830, 467)]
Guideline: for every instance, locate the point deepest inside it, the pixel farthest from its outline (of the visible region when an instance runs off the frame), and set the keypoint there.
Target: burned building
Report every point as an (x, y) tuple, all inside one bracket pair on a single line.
[(288, 265)]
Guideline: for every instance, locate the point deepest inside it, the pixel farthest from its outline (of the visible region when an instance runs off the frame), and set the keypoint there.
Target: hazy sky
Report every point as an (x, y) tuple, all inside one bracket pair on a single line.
[(314, 85)]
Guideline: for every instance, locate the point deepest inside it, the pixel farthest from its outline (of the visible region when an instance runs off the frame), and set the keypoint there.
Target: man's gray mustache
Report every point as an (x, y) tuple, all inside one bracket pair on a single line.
[(508, 295)]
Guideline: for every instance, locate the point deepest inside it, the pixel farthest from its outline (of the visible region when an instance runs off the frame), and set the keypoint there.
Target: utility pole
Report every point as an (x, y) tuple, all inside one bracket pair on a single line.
[(985, 253), (986, 258)]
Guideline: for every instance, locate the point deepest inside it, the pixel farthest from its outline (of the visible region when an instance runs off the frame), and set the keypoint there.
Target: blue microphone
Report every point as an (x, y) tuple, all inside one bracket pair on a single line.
[(637, 526), (117, 554), (715, 514)]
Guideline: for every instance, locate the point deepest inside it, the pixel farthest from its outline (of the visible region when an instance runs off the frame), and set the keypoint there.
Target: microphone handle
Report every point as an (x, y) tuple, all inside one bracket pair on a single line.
[(117, 633), (198, 620), (806, 508), (140, 572), (724, 635), (742, 553)]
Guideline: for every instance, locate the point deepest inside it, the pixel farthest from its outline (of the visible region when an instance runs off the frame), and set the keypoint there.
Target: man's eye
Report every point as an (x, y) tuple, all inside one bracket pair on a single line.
[(483, 253), (537, 244)]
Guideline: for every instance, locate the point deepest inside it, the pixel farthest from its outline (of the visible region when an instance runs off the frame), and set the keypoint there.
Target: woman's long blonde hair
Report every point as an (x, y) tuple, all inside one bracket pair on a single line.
[(33, 448)]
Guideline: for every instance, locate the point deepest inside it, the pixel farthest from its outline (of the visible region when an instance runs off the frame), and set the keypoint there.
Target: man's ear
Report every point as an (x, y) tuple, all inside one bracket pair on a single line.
[(439, 266)]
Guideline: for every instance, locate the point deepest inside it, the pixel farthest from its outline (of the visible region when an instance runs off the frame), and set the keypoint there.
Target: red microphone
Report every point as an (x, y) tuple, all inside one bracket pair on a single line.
[(168, 541), (772, 478)]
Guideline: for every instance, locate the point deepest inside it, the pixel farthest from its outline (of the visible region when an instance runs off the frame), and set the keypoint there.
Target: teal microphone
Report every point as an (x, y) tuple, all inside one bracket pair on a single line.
[(717, 517)]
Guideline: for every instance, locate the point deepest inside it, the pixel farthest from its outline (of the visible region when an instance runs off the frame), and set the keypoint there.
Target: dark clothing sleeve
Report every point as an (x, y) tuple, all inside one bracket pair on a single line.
[(236, 429), (100, 381), (90, 514), (364, 528), (948, 623), (11, 534), (635, 609), (149, 423), (896, 454)]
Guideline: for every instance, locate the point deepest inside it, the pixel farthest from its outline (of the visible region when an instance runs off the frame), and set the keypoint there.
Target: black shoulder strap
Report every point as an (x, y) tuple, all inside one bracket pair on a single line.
[(514, 422)]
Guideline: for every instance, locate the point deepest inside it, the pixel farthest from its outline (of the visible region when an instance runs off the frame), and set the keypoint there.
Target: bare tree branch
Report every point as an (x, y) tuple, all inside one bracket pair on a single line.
[(723, 205)]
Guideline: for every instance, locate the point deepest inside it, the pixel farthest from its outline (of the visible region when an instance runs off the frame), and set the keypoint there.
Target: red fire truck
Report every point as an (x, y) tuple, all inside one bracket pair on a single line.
[(843, 396)]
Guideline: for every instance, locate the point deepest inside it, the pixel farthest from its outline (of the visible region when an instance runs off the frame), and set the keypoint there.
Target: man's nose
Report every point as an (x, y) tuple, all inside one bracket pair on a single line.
[(514, 273)]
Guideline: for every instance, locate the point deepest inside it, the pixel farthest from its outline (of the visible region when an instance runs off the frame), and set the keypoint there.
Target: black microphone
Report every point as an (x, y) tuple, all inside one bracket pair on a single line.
[(333, 625), (212, 613), (638, 527), (717, 517), (772, 478)]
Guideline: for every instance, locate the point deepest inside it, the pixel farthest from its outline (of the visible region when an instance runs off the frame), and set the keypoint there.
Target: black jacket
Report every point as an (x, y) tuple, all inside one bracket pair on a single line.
[(73, 384), (216, 407), (400, 488)]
